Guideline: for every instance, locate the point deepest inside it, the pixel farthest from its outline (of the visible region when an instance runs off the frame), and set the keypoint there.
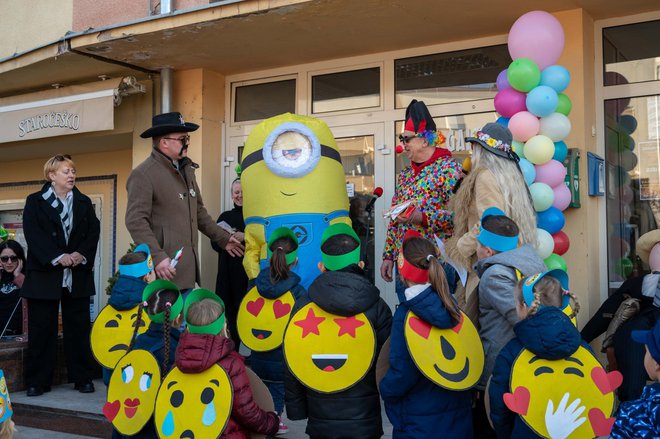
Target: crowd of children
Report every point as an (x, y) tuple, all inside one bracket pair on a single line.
[(323, 368)]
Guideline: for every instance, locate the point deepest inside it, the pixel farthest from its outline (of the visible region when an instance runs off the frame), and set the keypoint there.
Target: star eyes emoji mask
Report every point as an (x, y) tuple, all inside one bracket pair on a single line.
[(327, 352), (261, 322), (452, 358), (549, 394), (111, 334), (194, 405), (132, 391)]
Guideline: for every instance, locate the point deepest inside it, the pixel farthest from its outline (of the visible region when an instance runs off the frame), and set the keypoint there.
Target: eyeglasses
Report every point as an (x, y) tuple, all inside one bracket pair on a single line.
[(7, 258), (184, 139), (62, 157), (405, 139)]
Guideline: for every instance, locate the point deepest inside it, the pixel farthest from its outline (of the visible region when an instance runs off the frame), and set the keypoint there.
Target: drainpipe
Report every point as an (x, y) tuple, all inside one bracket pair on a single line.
[(166, 90), (165, 6)]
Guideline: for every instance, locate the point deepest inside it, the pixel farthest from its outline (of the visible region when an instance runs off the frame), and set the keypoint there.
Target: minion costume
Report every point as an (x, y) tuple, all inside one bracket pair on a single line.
[(292, 177)]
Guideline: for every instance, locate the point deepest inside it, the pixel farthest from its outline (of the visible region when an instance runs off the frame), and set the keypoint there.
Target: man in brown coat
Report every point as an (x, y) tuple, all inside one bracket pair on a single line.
[(165, 208)]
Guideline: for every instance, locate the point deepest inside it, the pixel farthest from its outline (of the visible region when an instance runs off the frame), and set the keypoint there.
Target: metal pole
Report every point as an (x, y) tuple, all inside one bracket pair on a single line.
[(166, 90)]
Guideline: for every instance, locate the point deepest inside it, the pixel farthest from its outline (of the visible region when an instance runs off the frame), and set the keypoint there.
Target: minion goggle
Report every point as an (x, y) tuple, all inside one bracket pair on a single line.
[(489, 239), (337, 262), (162, 284), (212, 328), (408, 270), (139, 269), (560, 275), (281, 233), (291, 150)]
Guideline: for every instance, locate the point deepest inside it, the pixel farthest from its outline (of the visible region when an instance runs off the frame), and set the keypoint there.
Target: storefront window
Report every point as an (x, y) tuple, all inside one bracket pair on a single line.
[(455, 129), (346, 90), (632, 154), (630, 53), (465, 75), (261, 101)]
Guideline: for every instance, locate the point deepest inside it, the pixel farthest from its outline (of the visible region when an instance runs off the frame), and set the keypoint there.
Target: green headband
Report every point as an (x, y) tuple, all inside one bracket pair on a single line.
[(212, 328), (337, 262), (283, 232), (162, 284)]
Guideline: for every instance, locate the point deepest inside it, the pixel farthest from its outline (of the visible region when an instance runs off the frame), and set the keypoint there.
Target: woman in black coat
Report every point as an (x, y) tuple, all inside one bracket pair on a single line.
[(12, 261), (62, 233), (231, 283)]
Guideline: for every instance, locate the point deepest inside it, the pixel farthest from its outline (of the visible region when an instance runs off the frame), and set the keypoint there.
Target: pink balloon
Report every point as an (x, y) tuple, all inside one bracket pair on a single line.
[(562, 196), (551, 173), (509, 101), (523, 126), (537, 35)]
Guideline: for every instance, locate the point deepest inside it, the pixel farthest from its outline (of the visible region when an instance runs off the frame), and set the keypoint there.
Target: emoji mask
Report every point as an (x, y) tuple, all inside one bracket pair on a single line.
[(541, 390), (261, 322), (112, 332), (452, 358), (5, 404), (132, 392), (194, 405), (326, 352)]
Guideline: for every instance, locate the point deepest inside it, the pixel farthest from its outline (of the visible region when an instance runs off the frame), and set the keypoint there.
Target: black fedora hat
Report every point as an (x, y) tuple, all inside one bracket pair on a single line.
[(495, 138), (168, 123)]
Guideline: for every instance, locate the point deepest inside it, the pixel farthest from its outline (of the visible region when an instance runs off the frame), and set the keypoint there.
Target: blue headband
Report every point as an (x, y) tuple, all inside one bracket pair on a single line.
[(138, 269), (4, 394), (489, 239), (560, 275)]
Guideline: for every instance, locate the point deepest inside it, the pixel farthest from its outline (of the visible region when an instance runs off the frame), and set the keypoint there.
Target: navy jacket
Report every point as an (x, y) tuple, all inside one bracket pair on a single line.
[(639, 418), (126, 292), (354, 412), (270, 365), (416, 407), (550, 335)]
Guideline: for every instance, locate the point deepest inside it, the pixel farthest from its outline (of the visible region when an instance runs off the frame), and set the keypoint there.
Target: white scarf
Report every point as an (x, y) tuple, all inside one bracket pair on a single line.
[(651, 287)]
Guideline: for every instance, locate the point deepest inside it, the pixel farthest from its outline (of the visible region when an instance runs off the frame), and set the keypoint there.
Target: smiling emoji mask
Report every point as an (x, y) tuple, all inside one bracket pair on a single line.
[(326, 352), (261, 322)]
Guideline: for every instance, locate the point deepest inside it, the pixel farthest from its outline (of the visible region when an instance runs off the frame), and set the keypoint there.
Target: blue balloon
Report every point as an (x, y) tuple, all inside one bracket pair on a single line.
[(556, 77), (528, 171), (503, 121), (542, 101), (551, 220), (628, 123), (561, 151)]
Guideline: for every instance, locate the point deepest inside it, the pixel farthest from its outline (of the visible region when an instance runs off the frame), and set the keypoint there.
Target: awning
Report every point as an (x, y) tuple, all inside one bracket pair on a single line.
[(63, 111)]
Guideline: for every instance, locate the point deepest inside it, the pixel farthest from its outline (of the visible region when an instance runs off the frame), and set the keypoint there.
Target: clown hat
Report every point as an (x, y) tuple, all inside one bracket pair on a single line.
[(560, 275), (138, 269), (283, 232), (418, 118), (162, 284), (493, 240), (496, 139), (212, 328), (337, 262)]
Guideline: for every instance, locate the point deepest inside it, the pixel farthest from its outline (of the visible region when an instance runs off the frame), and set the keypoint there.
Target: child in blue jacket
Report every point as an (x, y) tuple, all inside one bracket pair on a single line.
[(271, 283), (417, 407)]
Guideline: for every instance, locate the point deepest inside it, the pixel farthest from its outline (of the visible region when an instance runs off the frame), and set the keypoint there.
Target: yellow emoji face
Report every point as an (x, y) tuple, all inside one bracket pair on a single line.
[(549, 395), (111, 334), (452, 358), (194, 405), (261, 322), (327, 352), (132, 391)]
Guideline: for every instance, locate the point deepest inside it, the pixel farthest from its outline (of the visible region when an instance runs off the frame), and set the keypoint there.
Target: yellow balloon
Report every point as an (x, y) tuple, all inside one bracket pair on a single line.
[(198, 402), (112, 332), (539, 149), (132, 392), (261, 322), (326, 352), (536, 382), (452, 358)]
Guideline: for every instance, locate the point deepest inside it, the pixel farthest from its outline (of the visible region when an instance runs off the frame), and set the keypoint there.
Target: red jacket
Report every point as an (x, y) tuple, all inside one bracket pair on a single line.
[(197, 352)]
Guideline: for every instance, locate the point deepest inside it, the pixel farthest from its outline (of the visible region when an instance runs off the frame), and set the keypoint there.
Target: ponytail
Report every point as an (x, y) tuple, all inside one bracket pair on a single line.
[(166, 339), (279, 270), (138, 324), (439, 283)]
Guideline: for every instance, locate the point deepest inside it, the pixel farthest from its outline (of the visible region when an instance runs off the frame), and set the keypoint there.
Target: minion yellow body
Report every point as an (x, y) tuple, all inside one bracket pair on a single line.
[(292, 176)]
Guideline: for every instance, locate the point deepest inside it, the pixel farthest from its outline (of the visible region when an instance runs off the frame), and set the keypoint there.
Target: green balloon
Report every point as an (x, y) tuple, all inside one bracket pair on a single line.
[(554, 262), (519, 148), (624, 267), (523, 74), (564, 105), (3, 234)]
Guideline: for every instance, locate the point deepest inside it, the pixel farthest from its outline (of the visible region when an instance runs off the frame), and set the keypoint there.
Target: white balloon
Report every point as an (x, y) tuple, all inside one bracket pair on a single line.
[(556, 126), (545, 244)]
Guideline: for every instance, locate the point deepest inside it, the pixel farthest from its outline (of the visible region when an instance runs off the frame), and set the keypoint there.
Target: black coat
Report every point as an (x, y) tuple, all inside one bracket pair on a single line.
[(45, 239), (354, 412)]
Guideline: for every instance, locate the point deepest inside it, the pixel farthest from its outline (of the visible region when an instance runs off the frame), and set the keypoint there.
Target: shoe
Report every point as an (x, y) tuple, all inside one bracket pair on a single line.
[(284, 429), (37, 390), (87, 387)]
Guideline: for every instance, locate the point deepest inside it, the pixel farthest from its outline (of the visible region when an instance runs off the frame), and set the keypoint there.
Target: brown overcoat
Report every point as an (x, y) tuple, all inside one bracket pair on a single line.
[(165, 210)]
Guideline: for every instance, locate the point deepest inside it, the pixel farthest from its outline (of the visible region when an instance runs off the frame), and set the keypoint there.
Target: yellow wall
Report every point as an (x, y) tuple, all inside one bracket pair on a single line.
[(24, 28)]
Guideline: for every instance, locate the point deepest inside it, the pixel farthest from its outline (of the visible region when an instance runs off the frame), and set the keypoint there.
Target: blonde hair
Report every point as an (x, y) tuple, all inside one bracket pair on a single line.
[(511, 184), (547, 292), (54, 163), (205, 312), (7, 429)]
